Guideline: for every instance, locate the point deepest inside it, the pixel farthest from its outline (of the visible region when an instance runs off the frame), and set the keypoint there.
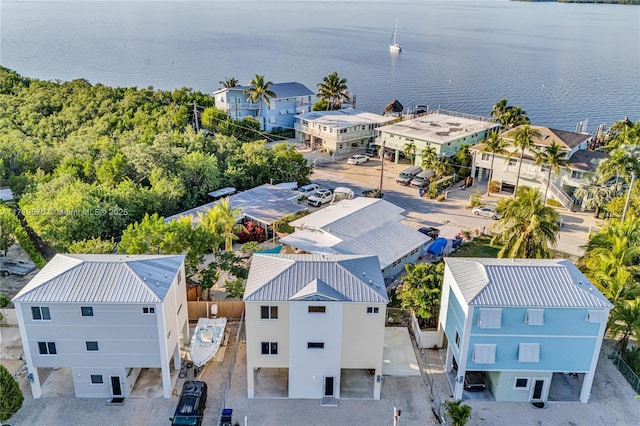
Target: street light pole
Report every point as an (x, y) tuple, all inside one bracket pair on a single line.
[(626, 204), (381, 165)]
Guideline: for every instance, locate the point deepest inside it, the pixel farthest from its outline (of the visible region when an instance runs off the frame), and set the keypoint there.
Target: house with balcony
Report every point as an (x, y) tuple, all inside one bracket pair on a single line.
[(581, 162), (315, 324), (444, 131), (340, 132), (291, 99), (105, 318), (532, 328), (361, 226)]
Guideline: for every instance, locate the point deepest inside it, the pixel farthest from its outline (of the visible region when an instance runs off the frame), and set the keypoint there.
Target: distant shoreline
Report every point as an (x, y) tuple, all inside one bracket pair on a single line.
[(631, 2)]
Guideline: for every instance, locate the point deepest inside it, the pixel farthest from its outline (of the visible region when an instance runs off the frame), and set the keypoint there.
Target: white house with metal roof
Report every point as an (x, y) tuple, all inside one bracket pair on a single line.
[(105, 317), (580, 162), (314, 325), (291, 98), (534, 328), (444, 131), (341, 131), (363, 226)]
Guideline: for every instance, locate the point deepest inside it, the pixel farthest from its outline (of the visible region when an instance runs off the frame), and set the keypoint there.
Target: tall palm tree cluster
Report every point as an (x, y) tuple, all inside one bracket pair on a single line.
[(611, 261)]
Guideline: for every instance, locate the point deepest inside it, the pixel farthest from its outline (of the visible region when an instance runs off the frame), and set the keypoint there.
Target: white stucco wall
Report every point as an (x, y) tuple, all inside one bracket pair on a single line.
[(308, 367)]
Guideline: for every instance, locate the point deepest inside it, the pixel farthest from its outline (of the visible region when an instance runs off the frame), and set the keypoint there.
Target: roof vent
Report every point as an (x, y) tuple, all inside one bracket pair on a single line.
[(363, 274), (370, 281), (144, 278)]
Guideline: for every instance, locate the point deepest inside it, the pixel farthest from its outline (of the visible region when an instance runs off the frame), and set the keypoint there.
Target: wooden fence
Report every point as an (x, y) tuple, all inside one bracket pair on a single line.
[(226, 308)]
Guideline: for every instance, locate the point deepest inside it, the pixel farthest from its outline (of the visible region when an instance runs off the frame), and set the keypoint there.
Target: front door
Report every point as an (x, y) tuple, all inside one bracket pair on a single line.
[(536, 391), (328, 386), (116, 390)]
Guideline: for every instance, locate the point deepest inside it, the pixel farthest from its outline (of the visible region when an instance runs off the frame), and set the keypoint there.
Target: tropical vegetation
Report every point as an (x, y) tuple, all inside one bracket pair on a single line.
[(259, 92), (12, 397), (528, 228), (552, 156), (523, 140), (419, 291), (333, 92), (493, 145), (458, 411)]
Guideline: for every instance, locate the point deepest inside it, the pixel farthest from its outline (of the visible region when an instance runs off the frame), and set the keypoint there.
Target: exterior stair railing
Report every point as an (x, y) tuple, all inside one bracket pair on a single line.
[(558, 193)]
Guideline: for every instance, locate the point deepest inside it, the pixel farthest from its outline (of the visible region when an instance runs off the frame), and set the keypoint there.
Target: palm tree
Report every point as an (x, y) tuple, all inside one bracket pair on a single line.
[(495, 145), (334, 90), (229, 82), (522, 139), (619, 163), (528, 226), (625, 319), (514, 116), (222, 222), (498, 110), (552, 156), (458, 412), (410, 151), (429, 157), (260, 91), (594, 193)]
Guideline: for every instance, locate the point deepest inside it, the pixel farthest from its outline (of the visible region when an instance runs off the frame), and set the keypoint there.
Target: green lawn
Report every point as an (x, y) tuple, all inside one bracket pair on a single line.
[(478, 247)]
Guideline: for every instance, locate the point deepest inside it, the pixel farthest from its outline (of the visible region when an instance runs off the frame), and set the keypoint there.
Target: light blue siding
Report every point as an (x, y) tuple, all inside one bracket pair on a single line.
[(455, 321)]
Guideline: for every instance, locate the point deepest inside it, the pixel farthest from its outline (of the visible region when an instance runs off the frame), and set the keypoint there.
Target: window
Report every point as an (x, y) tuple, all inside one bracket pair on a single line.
[(87, 311), (575, 174), (149, 310), (457, 340), (596, 316), (535, 317), (40, 313), (318, 309), (512, 162), (268, 312), (269, 348), (96, 379), (47, 348), (521, 383), (529, 352), (315, 345), (490, 318), (373, 309), (92, 346), (484, 354)]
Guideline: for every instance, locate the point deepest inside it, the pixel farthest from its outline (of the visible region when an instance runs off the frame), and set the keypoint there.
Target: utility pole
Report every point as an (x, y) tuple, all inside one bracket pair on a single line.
[(626, 203), (195, 116), (381, 165)]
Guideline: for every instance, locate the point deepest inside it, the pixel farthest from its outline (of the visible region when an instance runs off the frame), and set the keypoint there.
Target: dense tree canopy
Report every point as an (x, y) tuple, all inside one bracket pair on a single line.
[(85, 161)]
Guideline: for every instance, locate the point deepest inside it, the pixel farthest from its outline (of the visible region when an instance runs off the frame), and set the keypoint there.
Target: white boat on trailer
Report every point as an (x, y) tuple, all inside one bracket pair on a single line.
[(206, 340)]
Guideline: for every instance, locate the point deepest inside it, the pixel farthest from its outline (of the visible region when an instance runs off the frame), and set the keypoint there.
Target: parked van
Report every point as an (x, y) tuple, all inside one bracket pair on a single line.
[(422, 179), (408, 174), (191, 405)]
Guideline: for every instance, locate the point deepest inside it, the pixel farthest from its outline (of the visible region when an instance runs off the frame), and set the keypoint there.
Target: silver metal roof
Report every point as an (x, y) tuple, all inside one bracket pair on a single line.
[(265, 203), (363, 226), (315, 277), (103, 278), (524, 282)]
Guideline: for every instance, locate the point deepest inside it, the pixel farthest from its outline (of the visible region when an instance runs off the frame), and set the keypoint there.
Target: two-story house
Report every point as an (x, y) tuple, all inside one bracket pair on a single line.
[(291, 98), (341, 131), (313, 322), (525, 324), (105, 317), (443, 131), (580, 162)]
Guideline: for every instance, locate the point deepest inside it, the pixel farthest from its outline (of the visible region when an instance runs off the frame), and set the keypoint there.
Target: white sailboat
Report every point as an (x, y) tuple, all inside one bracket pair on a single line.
[(394, 46), (206, 340)]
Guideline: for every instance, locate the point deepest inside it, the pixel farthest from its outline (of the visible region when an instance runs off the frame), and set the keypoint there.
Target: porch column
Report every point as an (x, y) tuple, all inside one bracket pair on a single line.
[(34, 378), (166, 379), (457, 392), (377, 383), (176, 357), (250, 381), (448, 362)]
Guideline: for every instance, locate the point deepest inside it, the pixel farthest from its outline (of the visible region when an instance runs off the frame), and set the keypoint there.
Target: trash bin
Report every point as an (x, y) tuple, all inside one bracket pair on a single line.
[(226, 417)]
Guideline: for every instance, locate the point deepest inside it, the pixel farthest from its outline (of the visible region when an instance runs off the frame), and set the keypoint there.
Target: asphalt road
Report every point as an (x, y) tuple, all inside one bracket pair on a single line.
[(452, 212)]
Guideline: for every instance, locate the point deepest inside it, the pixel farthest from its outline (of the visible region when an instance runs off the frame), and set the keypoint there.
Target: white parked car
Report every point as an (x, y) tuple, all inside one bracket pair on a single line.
[(357, 159), (487, 211), (322, 196), (309, 189)]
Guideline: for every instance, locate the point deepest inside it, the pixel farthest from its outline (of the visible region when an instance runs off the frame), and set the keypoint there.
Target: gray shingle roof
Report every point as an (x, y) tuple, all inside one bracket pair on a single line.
[(524, 282), (105, 278), (315, 277)]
